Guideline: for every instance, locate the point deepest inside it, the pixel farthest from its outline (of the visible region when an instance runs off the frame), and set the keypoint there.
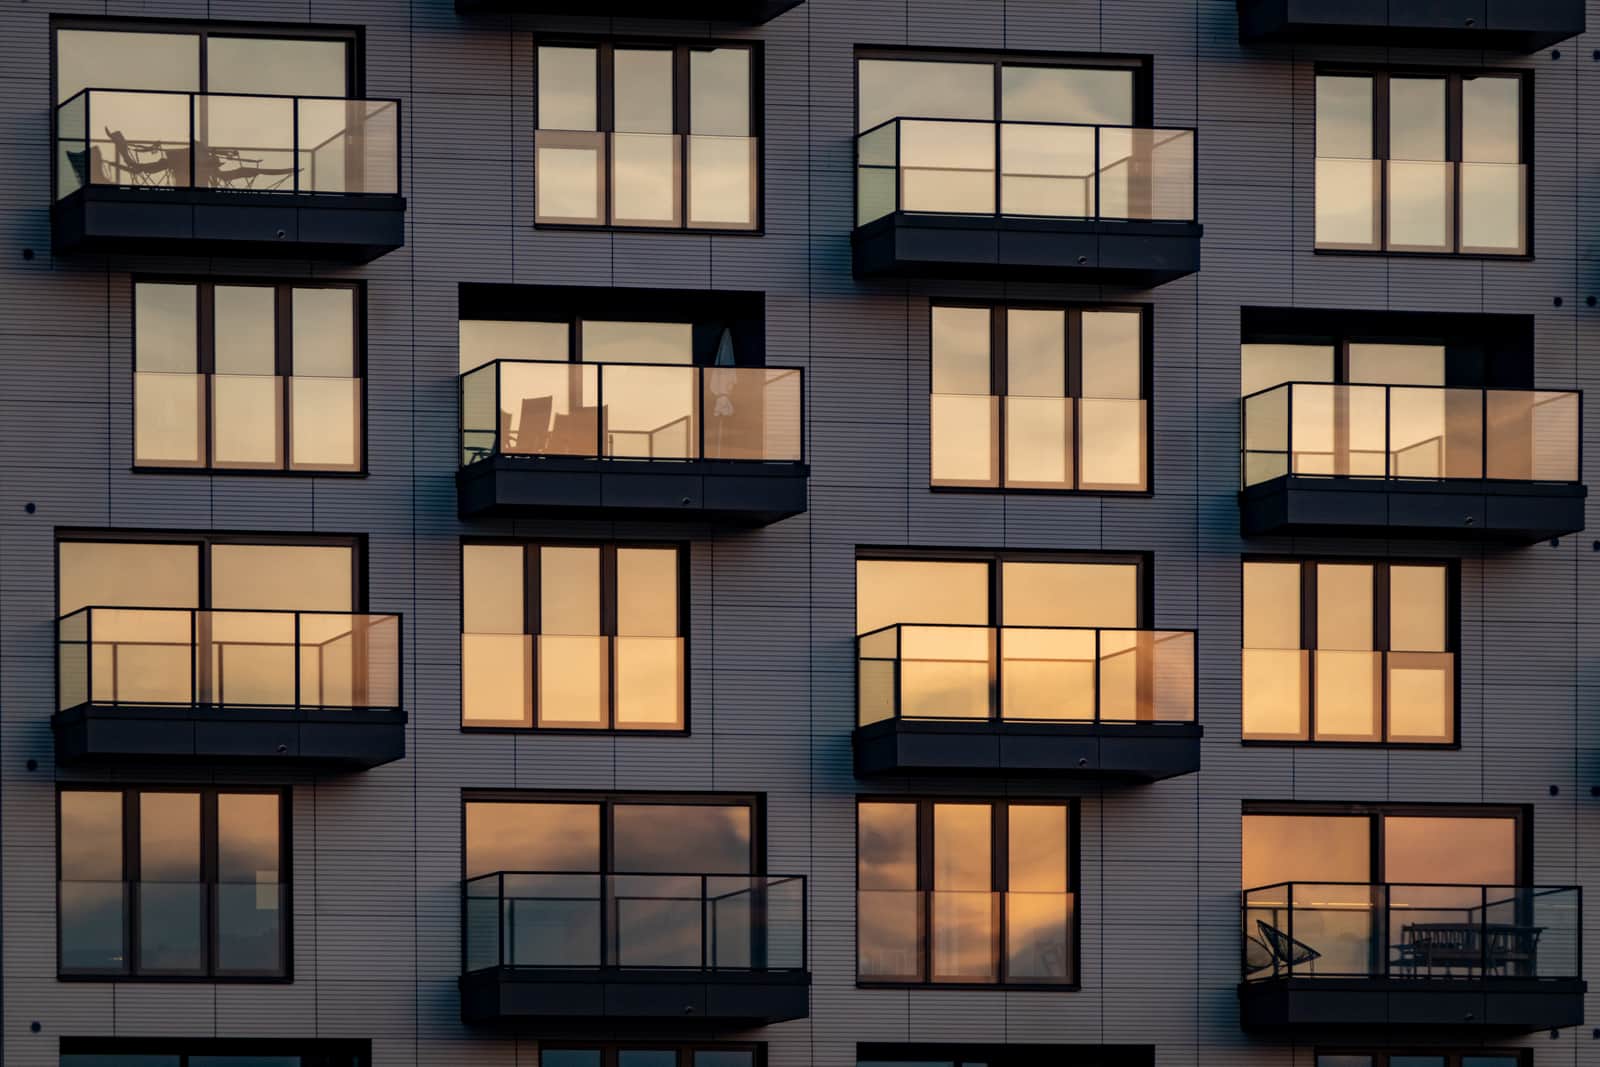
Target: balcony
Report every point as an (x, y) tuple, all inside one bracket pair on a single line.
[(1035, 701), (548, 947), (318, 689), (1498, 25), (1394, 461), (747, 12), (634, 440), (1026, 200), (166, 173), (1420, 958)]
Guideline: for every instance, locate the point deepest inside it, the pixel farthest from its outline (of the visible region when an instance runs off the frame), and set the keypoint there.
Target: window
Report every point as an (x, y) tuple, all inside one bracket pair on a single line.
[(158, 882), (1430, 1058), (1091, 90), (1027, 590), (650, 1055), (260, 377), (1349, 651), (1422, 162), (966, 892), (572, 636), (648, 135), (212, 1052), (1039, 398), (964, 1055)]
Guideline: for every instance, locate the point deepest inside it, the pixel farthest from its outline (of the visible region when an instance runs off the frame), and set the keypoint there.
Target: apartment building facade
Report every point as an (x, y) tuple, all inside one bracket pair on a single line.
[(798, 533)]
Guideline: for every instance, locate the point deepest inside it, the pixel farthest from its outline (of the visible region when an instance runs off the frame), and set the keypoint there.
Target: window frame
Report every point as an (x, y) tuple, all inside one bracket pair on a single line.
[(685, 1051), (283, 366), (605, 122), (357, 543), (608, 626), (314, 1052), (208, 867), (917, 1054), (999, 878), (998, 359), (1453, 77), (1380, 626), (1143, 562), (1452, 1057), (354, 37), (1377, 811), (608, 801)]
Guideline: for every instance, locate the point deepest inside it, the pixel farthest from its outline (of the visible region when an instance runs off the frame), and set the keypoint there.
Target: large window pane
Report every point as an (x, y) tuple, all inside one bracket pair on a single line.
[(108, 59), (719, 91), (1344, 606), (894, 88), (1305, 848), (1274, 679), (1065, 94), (1346, 180), (283, 577), (127, 574), (890, 591), (637, 342), (1036, 352), (681, 838), (249, 894), (324, 395), (169, 419), (963, 904), (1262, 366), (532, 837), (569, 590), (276, 66), (1344, 117), (1070, 594), (642, 88), (324, 332), (1445, 850), (1038, 906), (1417, 605), (889, 909), (568, 87), (647, 592), (92, 901), (170, 894), (482, 340)]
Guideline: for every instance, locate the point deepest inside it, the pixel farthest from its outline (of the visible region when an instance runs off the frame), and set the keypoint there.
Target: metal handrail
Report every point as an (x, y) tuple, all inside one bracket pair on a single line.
[(1389, 450)]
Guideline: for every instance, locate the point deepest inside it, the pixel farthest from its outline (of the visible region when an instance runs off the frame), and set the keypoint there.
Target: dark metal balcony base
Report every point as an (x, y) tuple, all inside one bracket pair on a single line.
[(1509, 512), (1484, 1005), (555, 997), (189, 222), (751, 494), (1137, 752), (1498, 25), (1138, 254), (353, 738), (750, 12)]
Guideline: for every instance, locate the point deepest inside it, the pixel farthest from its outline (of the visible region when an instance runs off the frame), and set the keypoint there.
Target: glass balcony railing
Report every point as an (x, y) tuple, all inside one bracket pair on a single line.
[(1025, 169), (1422, 205), (1356, 930), (181, 657), (631, 411), (1025, 674), (588, 921), (1411, 432), (977, 936), (653, 180), (260, 144)]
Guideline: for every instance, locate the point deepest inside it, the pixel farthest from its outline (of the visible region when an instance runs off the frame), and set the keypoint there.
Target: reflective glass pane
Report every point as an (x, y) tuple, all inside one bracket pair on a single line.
[(1435, 433), (1064, 94), (1036, 353), (1417, 606), (727, 1058), (1349, 694), (324, 333), (1111, 444), (276, 66), (492, 589), (245, 143), (127, 574), (642, 91), (283, 577), (1450, 850), (647, 1058), (647, 592), (574, 680), (1112, 352), (1146, 174), (348, 146), (1494, 208), (752, 413), (109, 59), (649, 682), (889, 908), (1421, 697), (496, 679), (561, 1057), (1305, 848), (1272, 605), (1047, 171), (1039, 439), (1491, 120), (325, 424), (569, 590), (1037, 849), (722, 181), (91, 836), (963, 946), (637, 342), (247, 421), (925, 591), (645, 179), (1416, 118), (1391, 364), (1275, 694), (1048, 674), (1347, 203), (482, 340), (249, 901), (119, 1059), (1039, 936), (961, 350), (1345, 1061), (248, 848), (532, 837), (140, 139), (165, 330), (568, 85), (1069, 594), (171, 896), (964, 440), (245, 329), (947, 167), (1421, 203), (681, 838), (719, 91), (886, 845), (1344, 117), (961, 852), (1262, 366), (1344, 606), (650, 412), (1532, 435), (892, 88), (569, 180), (169, 419), (946, 672), (963, 904)]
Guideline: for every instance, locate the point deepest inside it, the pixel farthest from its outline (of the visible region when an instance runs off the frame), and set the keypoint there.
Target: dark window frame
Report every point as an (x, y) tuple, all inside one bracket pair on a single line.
[(1377, 811), (608, 626), (609, 800), (204, 29), (314, 1052), (999, 877), (685, 1052), (1452, 1057), (283, 365), (605, 121), (208, 877), (1008, 1055), (1380, 640), (1453, 76), (1143, 562), (357, 543), (998, 358)]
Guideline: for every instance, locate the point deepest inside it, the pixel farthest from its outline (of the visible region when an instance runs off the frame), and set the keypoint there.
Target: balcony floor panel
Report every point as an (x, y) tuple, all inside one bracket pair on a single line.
[(1498, 25), (752, 12), (1411, 1005), (550, 998), (1137, 752)]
